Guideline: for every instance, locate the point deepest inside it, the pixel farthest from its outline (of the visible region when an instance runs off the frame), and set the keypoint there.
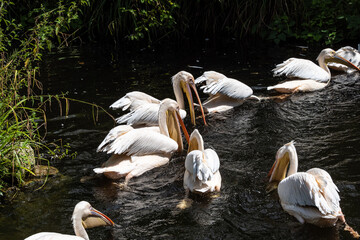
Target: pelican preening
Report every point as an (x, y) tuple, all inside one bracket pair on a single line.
[(84, 216), (136, 151), (225, 93), (309, 196), (350, 54), (144, 108), (308, 76), (201, 167)]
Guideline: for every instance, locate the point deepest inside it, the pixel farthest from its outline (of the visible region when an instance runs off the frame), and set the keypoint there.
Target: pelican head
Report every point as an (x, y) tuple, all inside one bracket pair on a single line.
[(285, 156), (169, 121), (85, 216), (183, 81), (329, 55), (90, 216)]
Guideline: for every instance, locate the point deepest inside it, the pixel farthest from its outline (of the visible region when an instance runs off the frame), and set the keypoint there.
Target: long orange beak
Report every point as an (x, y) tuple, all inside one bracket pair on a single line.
[(346, 62), (192, 85), (183, 127), (271, 170)]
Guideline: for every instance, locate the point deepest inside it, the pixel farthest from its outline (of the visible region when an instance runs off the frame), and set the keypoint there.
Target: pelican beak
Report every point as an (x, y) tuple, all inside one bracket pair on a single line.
[(193, 145), (173, 123), (96, 219), (186, 88), (183, 126), (341, 60), (278, 171)]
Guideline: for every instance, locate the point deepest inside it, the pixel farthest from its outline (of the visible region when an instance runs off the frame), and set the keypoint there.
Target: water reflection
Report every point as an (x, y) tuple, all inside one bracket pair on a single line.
[(324, 124)]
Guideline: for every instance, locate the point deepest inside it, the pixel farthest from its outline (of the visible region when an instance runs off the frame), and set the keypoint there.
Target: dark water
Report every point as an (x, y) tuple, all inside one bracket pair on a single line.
[(325, 126)]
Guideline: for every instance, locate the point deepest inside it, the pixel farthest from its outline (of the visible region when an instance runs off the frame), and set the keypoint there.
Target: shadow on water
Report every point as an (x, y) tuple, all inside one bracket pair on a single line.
[(324, 124)]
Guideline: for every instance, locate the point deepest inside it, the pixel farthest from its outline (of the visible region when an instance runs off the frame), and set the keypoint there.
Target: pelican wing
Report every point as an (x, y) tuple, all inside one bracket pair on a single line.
[(147, 114), (228, 87), (212, 160), (141, 142), (196, 166), (112, 135), (144, 114), (209, 76), (303, 189), (327, 186), (301, 68), (133, 100)]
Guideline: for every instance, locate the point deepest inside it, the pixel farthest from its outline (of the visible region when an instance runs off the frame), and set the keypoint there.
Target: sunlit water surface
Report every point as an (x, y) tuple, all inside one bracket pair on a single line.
[(324, 124)]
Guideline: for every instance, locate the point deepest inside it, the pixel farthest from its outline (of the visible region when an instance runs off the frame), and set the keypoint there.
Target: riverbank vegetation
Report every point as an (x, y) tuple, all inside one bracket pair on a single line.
[(31, 28), (26, 32), (151, 21)]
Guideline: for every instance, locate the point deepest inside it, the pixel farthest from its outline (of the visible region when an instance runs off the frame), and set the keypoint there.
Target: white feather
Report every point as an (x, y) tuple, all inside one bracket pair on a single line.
[(212, 160), (146, 114), (141, 142), (301, 68), (225, 93), (306, 191), (133, 100), (298, 86), (228, 87), (113, 134)]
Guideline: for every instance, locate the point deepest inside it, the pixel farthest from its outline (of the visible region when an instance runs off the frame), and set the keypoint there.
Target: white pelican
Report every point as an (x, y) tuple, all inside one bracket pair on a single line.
[(308, 76), (225, 93), (350, 54), (201, 167), (144, 108), (84, 216), (136, 151), (309, 196)]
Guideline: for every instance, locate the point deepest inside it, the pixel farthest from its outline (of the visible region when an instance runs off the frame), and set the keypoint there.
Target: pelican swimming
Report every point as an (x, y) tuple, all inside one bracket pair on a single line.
[(350, 54), (201, 167), (309, 196), (84, 216), (225, 93), (308, 76), (144, 108), (136, 151)]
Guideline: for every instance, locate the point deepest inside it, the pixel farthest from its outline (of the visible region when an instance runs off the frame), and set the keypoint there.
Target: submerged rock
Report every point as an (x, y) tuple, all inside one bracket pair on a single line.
[(42, 170)]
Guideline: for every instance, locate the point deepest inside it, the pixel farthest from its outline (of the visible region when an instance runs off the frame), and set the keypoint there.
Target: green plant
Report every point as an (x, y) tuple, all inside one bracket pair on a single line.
[(22, 41), (321, 21), (131, 20), (281, 29)]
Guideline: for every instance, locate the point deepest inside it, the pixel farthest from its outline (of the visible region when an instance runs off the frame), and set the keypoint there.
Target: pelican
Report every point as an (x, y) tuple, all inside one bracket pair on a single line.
[(308, 76), (201, 167), (144, 108), (309, 196), (136, 151), (84, 216), (350, 54), (225, 93)]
